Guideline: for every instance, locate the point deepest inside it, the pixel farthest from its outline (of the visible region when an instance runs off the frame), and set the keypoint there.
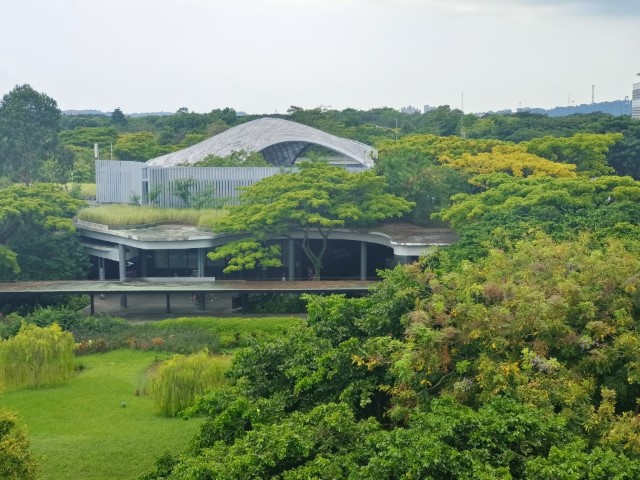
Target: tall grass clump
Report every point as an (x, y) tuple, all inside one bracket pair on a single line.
[(176, 383), (123, 215), (36, 357)]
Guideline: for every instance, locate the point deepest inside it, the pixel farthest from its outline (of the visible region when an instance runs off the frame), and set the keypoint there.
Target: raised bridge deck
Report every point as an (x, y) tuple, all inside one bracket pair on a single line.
[(168, 286)]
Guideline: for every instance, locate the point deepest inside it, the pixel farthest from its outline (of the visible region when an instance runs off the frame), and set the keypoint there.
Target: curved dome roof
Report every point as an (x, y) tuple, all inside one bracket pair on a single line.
[(280, 141)]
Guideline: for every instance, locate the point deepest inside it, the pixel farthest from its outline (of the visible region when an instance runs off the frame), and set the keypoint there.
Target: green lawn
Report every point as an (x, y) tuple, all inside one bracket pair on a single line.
[(83, 431)]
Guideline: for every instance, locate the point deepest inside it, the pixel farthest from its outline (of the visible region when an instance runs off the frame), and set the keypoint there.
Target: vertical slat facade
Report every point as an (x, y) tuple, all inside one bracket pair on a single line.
[(635, 102), (120, 182)]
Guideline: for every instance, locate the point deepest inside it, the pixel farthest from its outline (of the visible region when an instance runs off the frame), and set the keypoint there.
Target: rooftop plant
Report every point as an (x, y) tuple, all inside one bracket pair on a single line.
[(131, 215)]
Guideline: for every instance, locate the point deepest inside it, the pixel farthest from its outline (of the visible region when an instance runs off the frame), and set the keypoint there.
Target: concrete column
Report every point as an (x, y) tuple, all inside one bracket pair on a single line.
[(122, 261), (292, 259), (122, 264), (202, 256), (201, 301), (142, 260), (168, 310), (363, 260), (101, 270)]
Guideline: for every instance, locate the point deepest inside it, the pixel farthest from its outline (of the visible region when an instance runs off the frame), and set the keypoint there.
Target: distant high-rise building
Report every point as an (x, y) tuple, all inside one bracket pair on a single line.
[(410, 110), (428, 108), (635, 101)]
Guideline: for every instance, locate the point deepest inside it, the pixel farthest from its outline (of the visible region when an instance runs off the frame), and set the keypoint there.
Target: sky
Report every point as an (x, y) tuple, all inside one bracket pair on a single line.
[(263, 56)]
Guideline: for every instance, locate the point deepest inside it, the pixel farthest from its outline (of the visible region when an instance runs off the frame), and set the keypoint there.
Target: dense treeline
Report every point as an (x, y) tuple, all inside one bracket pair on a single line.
[(60, 148), (141, 138)]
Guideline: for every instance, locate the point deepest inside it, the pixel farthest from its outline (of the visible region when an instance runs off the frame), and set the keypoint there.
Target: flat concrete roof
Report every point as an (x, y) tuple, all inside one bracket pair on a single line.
[(170, 236)]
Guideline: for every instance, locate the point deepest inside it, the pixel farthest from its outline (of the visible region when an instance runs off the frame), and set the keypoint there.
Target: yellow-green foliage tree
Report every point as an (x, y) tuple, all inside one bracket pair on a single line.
[(588, 151), (178, 381), (36, 357), (433, 147), (510, 159), (16, 462)]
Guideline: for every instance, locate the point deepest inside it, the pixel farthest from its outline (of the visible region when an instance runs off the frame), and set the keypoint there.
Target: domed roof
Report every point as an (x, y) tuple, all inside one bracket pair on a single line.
[(280, 141)]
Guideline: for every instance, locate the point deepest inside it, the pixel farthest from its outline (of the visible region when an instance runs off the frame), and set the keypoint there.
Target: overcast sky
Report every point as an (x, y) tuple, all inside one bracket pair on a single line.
[(261, 56)]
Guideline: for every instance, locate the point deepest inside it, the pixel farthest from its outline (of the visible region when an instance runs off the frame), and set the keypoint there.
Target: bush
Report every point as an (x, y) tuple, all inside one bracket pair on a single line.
[(276, 303), (46, 316), (104, 333), (9, 325), (177, 382), (36, 357), (15, 457)]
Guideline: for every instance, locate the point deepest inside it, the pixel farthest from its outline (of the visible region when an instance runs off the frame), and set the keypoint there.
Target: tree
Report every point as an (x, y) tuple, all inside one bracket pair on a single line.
[(29, 127), (118, 118), (316, 199), (138, 147), (510, 208), (41, 206), (588, 151), (510, 159), (519, 366)]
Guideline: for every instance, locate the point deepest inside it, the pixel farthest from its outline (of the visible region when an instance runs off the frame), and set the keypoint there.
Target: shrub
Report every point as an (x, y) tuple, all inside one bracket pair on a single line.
[(15, 457), (176, 383), (103, 333), (9, 325), (276, 303), (36, 357), (46, 316)]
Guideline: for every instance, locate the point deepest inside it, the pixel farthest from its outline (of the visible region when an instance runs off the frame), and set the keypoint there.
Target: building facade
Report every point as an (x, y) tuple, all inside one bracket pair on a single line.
[(635, 102)]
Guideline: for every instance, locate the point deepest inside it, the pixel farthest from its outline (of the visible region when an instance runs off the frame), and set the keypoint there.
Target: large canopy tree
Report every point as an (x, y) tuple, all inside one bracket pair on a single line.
[(523, 365), (312, 201), (511, 208), (29, 127), (39, 210)]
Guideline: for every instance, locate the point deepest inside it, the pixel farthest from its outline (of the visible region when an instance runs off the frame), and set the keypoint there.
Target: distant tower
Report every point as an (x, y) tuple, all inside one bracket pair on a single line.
[(593, 94)]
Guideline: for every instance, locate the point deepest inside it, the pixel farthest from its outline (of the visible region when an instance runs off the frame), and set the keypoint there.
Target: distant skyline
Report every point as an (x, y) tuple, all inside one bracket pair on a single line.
[(262, 56)]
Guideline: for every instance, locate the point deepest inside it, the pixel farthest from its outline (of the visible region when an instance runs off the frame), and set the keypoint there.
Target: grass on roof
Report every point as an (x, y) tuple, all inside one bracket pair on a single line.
[(124, 215)]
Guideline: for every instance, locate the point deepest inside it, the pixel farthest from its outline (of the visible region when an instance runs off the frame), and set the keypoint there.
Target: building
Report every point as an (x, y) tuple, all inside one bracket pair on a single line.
[(409, 110), (179, 250), (635, 101)]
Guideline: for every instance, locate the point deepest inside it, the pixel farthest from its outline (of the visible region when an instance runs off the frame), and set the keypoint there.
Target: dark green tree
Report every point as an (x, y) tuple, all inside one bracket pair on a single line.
[(29, 127), (118, 118), (27, 210)]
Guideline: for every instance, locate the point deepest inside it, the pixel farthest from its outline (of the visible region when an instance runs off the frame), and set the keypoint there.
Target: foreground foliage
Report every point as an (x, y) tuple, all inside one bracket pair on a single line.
[(16, 461), (521, 365)]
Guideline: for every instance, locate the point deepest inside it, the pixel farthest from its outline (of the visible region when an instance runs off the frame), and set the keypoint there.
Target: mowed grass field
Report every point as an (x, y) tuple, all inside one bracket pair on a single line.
[(96, 427)]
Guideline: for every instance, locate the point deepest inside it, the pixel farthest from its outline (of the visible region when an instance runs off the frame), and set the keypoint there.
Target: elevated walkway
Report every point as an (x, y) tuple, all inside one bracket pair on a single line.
[(202, 289)]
